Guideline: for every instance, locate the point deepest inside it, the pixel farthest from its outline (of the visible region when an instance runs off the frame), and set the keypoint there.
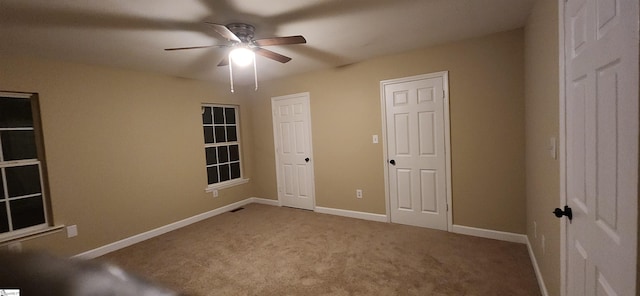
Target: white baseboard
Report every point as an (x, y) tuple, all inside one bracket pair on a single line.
[(265, 201), (509, 237), (352, 214), (534, 262), (97, 252), (492, 234)]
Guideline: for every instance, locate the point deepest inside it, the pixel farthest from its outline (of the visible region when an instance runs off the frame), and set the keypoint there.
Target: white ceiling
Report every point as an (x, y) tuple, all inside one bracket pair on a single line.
[(132, 34)]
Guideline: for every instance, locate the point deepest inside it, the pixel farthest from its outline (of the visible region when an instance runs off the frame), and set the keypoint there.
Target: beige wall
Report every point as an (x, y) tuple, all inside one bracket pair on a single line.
[(542, 123), (124, 149), (487, 129)]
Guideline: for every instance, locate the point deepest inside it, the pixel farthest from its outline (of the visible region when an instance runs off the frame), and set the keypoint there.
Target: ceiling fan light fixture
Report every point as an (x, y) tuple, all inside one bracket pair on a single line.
[(242, 56), (244, 47)]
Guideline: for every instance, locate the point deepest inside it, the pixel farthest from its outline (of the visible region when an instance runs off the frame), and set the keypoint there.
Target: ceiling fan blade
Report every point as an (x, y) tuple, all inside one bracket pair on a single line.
[(272, 55), (298, 39), (193, 47), (224, 32)]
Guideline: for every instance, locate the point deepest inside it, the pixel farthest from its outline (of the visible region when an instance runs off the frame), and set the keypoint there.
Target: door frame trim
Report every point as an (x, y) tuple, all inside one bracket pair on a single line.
[(307, 97), (562, 142), (447, 139)]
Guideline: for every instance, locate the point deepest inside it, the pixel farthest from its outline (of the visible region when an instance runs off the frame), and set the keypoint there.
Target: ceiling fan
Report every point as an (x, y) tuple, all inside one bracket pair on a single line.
[(241, 37)]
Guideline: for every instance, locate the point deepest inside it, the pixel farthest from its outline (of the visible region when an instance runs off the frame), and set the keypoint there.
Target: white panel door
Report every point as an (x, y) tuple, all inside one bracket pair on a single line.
[(294, 159), (601, 141), (416, 116)]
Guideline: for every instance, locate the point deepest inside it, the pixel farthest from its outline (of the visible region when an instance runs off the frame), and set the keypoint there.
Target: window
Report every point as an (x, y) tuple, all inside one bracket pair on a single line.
[(22, 199), (221, 144)]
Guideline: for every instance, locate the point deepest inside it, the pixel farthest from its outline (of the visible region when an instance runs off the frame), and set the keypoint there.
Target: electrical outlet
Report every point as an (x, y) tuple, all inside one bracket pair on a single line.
[(359, 193), (215, 193), (72, 231)]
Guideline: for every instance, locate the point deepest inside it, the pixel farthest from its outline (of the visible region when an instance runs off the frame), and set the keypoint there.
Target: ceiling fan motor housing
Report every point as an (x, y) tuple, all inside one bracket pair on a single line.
[(243, 31)]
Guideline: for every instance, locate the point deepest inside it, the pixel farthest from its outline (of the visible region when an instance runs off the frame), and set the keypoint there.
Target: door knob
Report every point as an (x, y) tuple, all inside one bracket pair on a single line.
[(392, 162), (567, 212), (306, 159)]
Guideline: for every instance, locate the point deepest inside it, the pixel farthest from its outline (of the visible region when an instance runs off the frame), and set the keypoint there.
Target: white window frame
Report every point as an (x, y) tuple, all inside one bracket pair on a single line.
[(238, 142), (13, 235)]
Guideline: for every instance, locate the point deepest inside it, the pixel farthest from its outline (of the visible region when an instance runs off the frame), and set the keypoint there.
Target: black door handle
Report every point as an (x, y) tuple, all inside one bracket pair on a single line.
[(306, 159), (567, 212), (392, 162)]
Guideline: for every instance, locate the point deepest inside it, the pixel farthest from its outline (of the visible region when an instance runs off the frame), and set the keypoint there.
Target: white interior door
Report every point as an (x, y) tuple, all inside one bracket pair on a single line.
[(416, 118), (294, 158), (601, 141)]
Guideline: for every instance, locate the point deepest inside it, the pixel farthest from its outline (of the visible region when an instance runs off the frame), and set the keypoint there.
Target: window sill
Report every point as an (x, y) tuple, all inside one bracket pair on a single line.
[(30, 235), (227, 184)]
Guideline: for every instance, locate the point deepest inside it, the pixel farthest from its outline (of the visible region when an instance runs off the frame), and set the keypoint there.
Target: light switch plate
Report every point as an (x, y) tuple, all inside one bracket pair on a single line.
[(375, 139)]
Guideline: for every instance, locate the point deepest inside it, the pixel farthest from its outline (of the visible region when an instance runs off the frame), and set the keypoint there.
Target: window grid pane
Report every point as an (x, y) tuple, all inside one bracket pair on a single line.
[(208, 134), (218, 115), (4, 219), (212, 174), (222, 147), (18, 144), (206, 115), (212, 155), (15, 112), (223, 170), (221, 136), (27, 212), (235, 170), (22, 180)]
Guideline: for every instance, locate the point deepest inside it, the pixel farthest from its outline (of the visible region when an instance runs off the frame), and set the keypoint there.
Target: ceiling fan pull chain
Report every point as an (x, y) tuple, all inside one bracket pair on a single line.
[(255, 72), (231, 73)]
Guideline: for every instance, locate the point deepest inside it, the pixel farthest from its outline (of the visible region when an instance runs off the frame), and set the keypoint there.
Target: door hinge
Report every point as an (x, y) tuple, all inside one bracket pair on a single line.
[(447, 207)]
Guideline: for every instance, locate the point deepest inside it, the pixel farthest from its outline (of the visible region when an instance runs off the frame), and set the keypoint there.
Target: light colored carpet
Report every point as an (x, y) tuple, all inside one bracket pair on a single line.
[(267, 250)]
